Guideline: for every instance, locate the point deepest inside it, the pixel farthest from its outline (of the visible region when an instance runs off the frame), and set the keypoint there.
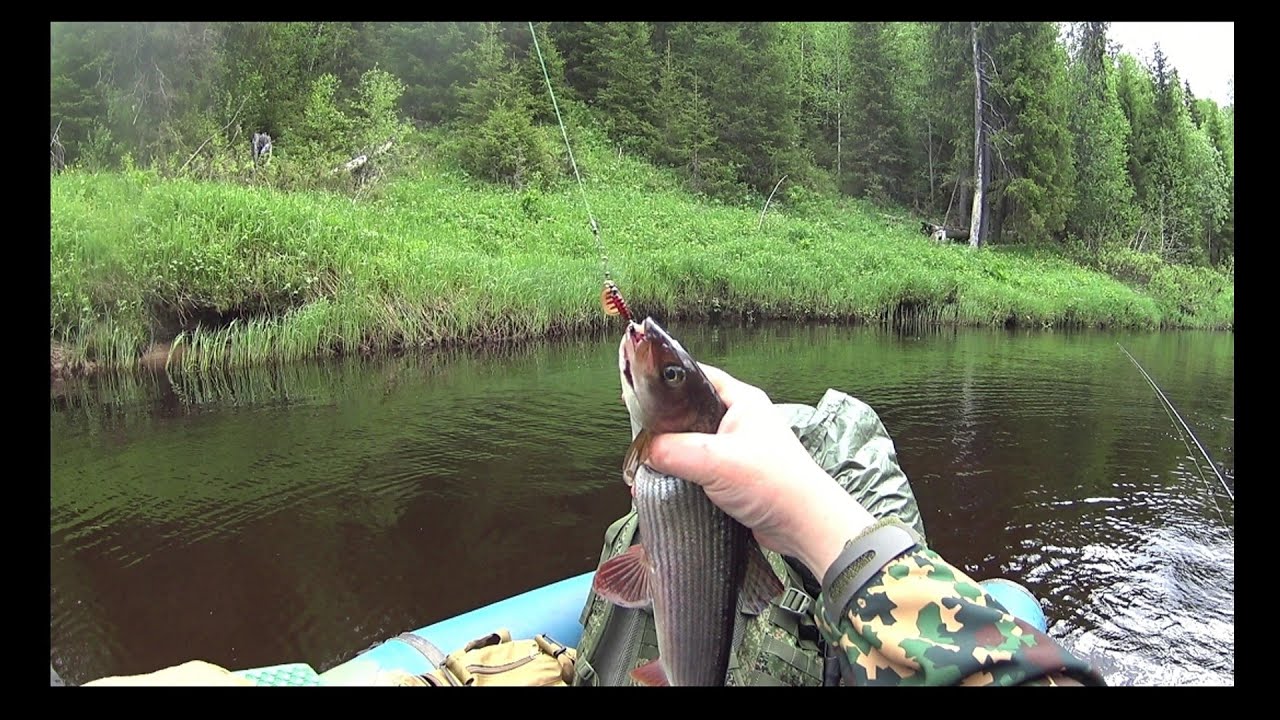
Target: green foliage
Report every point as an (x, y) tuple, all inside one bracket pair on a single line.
[(77, 104), (323, 131), (1129, 265), (740, 68), (617, 70), (497, 139), (876, 110), (505, 147), (1134, 90), (923, 143), (245, 275), (1185, 293), (1104, 212), (950, 88), (1116, 159), (275, 66), (686, 138), (1034, 173), (535, 79), (375, 109), (430, 58), (874, 145)]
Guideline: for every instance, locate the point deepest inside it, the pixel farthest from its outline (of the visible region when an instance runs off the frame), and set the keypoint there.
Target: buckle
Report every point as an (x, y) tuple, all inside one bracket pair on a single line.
[(796, 601)]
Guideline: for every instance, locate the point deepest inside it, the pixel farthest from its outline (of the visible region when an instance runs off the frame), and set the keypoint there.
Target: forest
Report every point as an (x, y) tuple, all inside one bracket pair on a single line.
[(214, 179)]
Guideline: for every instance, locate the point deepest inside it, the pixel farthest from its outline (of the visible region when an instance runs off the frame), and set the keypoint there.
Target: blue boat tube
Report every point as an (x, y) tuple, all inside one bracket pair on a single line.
[(554, 610), (1018, 601), (551, 610)]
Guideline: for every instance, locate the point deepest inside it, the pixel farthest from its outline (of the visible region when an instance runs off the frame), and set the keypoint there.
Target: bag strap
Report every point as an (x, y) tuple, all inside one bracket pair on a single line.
[(563, 655), (425, 647), (432, 653), (618, 536), (502, 635), (789, 615)]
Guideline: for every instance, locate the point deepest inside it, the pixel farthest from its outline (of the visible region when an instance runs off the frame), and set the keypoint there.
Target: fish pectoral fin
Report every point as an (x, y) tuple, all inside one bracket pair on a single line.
[(760, 584), (627, 579), (651, 673), (637, 454)]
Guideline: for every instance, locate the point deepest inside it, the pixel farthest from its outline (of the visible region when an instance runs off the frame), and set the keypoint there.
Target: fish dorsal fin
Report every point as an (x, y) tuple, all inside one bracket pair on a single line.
[(759, 584), (651, 673), (626, 580), (637, 454)]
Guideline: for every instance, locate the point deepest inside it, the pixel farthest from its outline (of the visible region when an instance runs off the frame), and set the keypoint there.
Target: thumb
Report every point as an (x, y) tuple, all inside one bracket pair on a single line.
[(696, 457)]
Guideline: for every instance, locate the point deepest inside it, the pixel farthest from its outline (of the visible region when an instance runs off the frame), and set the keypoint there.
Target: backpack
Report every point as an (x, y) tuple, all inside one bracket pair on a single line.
[(781, 645), (496, 659)]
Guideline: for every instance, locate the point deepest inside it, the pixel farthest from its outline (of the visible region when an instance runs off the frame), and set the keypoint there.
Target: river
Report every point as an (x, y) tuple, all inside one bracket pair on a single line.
[(304, 513)]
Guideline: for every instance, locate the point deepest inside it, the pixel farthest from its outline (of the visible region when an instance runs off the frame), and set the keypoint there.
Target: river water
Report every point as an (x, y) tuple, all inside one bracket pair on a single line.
[(303, 514)]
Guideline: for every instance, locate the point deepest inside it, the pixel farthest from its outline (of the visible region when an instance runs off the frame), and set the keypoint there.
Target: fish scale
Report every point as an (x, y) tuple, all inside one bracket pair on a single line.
[(698, 555)]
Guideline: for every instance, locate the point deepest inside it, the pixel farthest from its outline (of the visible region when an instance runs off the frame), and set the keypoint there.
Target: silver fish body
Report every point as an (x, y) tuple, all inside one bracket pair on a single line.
[(698, 557)]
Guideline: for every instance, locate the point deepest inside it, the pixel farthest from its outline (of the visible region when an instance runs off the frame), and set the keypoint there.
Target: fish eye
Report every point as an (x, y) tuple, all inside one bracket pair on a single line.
[(673, 374)]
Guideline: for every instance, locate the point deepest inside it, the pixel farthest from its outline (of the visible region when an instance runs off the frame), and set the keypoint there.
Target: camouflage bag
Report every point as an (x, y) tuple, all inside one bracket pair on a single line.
[(781, 645)]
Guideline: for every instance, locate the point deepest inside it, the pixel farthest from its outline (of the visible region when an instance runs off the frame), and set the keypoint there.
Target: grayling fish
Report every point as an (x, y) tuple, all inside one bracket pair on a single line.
[(695, 565)]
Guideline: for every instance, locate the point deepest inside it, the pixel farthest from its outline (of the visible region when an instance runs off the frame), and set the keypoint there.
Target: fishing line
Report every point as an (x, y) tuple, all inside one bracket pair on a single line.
[(595, 228), (1173, 413), (1200, 471)]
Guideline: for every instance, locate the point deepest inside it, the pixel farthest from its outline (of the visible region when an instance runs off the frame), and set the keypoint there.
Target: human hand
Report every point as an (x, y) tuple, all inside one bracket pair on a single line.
[(755, 469)]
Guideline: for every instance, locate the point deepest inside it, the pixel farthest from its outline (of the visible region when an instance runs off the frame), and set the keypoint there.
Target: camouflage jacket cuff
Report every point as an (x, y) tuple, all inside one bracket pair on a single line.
[(864, 557), (920, 621)]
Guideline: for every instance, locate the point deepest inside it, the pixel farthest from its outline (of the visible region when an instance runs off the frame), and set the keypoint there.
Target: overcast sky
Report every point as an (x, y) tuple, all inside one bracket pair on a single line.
[(1203, 52)]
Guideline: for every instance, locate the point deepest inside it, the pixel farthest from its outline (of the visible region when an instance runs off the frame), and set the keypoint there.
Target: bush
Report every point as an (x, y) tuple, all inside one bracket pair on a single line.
[(1129, 265), (506, 148)]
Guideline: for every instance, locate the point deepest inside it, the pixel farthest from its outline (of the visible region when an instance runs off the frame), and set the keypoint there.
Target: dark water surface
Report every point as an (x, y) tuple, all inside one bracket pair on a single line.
[(303, 514)]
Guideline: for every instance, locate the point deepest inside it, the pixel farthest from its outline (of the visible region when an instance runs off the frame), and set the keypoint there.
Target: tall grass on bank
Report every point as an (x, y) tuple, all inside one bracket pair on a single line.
[(238, 276)]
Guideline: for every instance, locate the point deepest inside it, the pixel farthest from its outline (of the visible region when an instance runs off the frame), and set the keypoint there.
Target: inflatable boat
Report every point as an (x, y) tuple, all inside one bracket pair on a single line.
[(552, 609)]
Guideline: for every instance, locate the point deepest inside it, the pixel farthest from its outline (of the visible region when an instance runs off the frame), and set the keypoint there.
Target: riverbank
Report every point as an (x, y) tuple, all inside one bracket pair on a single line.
[(228, 274)]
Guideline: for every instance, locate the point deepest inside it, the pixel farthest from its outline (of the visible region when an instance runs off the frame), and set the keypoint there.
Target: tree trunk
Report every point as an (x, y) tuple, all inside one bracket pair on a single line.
[(981, 164), (995, 220)]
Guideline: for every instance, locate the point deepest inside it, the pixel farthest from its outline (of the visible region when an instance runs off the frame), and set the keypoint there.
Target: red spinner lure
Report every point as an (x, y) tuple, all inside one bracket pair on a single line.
[(611, 299)]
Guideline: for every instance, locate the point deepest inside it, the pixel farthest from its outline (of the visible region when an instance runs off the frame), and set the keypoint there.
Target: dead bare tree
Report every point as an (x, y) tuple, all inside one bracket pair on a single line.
[(206, 141), (981, 150), (261, 148), (57, 153), (362, 169), (358, 161)]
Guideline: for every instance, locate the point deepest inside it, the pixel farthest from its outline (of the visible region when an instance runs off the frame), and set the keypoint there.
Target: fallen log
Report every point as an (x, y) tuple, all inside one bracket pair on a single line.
[(943, 234), (359, 160)]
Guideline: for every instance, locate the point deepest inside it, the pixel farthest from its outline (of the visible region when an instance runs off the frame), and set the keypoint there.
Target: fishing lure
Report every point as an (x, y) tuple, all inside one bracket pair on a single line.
[(611, 300)]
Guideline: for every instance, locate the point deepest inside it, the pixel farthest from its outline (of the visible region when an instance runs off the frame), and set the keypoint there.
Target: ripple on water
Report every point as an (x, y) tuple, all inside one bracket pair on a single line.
[(306, 517)]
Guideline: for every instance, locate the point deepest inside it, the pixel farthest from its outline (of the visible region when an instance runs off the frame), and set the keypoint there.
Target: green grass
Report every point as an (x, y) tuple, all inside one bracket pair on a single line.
[(243, 275)]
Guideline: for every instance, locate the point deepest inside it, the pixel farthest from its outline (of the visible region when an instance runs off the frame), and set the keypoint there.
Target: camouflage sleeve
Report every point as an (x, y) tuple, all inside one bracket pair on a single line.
[(920, 621)]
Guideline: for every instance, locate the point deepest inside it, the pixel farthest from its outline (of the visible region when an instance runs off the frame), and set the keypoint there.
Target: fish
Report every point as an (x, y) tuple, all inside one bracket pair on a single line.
[(695, 566)]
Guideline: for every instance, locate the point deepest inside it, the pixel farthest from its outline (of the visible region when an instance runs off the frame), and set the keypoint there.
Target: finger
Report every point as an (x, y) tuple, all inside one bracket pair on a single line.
[(695, 457)]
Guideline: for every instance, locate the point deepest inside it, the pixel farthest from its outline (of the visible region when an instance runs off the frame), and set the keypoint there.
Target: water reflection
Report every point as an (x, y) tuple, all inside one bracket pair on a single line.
[(305, 512)]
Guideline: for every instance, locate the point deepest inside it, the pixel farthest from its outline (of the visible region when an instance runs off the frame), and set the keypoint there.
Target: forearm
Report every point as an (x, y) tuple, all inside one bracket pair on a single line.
[(920, 621)]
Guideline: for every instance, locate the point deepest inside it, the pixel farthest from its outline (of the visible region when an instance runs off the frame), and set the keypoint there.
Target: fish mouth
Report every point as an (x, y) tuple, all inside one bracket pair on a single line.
[(630, 344)]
